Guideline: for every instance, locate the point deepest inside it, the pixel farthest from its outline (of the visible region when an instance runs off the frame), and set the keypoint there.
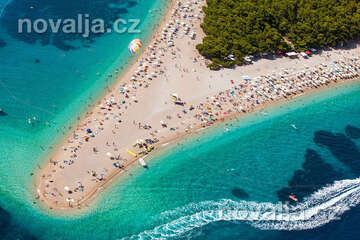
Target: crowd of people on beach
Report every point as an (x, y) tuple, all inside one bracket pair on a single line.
[(245, 95), (112, 109), (250, 93)]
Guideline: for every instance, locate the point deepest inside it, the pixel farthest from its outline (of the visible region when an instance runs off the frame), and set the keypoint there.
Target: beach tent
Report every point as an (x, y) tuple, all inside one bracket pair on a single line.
[(291, 54), (248, 59)]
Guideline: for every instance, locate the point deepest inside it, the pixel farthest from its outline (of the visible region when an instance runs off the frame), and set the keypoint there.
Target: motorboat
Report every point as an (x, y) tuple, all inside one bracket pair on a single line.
[(292, 197), (142, 162)]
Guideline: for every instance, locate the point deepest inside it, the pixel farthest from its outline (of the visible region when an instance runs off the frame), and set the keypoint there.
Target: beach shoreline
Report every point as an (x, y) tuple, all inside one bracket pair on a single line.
[(171, 142), (128, 72), (163, 87)]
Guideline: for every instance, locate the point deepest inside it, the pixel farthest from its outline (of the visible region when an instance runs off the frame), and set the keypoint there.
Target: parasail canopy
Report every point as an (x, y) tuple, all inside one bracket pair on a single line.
[(135, 45)]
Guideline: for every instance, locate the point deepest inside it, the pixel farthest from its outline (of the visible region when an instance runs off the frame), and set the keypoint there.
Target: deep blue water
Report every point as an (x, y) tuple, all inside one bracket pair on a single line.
[(278, 161), (260, 159), (54, 77)]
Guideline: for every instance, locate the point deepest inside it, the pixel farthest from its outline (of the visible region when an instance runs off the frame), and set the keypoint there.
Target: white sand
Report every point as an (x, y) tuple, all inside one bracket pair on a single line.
[(193, 82)]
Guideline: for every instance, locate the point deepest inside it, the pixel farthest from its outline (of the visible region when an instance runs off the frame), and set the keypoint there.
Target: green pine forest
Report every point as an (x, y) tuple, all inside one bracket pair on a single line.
[(250, 27)]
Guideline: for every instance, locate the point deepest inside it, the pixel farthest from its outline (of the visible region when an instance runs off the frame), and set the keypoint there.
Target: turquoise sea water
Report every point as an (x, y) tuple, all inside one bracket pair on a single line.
[(191, 189), (54, 77), (241, 164)]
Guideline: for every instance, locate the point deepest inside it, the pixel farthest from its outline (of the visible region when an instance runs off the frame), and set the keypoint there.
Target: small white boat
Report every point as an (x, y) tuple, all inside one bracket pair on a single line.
[(142, 162), (293, 125)]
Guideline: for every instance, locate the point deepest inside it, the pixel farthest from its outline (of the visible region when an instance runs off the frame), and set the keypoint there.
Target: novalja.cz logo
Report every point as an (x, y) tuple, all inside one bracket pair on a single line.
[(82, 24)]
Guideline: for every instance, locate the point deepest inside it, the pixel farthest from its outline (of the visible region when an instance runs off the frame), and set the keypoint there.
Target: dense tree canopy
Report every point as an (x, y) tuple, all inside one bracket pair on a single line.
[(245, 27)]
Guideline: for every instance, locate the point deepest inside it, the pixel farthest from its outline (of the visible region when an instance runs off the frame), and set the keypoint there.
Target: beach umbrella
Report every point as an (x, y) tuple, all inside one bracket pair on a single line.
[(88, 130), (135, 45), (108, 154)]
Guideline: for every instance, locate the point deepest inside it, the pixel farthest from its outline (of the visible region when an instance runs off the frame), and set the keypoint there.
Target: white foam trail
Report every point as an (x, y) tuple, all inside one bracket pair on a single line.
[(2, 7), (323, 206)]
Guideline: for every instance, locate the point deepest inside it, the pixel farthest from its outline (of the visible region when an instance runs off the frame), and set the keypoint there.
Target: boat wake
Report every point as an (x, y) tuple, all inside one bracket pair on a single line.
[(322, 207), (3, 5)]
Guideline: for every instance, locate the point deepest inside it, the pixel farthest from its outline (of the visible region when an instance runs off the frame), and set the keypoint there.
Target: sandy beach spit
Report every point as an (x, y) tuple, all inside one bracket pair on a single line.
[(169, 93)]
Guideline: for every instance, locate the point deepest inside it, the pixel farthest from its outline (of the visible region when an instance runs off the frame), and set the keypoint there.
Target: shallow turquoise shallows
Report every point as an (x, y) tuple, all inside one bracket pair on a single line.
[(243, 161), (193, 189)]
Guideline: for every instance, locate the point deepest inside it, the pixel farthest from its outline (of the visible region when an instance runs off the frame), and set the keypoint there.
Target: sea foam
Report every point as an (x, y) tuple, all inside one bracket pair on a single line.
[(321, 207)]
